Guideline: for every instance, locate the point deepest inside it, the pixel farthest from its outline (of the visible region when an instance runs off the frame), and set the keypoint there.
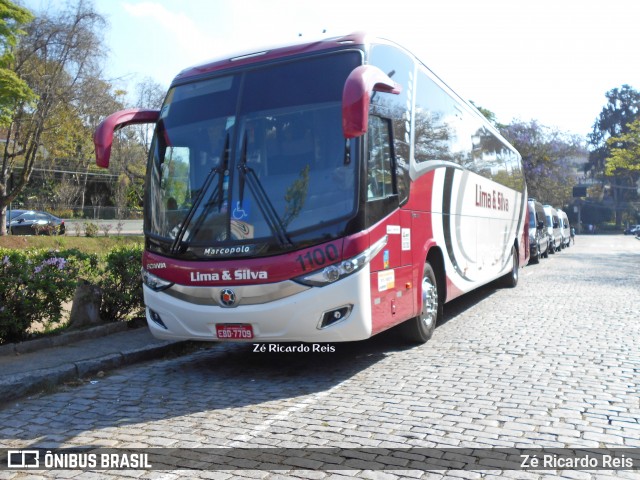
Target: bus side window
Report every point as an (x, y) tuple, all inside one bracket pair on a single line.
[(379, 172), (400, 67)]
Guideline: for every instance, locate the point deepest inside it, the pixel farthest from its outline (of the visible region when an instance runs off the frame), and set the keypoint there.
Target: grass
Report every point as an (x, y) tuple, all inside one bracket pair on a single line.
[(60, 242)]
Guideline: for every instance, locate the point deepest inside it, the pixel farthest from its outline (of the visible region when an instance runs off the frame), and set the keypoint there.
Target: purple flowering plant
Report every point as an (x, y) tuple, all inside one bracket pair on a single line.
[(33, 287)]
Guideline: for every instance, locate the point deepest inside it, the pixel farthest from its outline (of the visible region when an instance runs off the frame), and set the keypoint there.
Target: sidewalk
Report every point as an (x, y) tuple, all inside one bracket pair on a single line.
[(32, 366)]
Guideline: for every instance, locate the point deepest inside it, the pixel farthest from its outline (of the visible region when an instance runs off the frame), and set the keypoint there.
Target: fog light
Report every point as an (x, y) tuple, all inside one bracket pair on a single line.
[(153, 315), (334, 316)]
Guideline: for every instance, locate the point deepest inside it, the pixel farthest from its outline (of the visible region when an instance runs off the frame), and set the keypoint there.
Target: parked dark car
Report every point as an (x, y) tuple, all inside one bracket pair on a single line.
[(32, 222), (632, 230), (538, 238)]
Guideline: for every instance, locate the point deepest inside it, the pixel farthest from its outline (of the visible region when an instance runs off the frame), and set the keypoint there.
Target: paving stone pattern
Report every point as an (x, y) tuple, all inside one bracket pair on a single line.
[(554, 362)]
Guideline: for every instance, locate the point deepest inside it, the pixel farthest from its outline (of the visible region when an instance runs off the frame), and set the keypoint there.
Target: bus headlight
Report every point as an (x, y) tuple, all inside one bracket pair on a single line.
[(154, 282), (338, 271)]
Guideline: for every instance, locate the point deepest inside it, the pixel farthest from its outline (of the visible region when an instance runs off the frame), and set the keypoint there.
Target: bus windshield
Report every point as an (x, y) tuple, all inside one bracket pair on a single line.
[(254, 157)]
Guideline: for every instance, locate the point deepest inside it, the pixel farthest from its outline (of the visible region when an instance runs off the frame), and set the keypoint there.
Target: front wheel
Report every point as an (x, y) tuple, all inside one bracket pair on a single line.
[(510, 280), (419, 329), (546, 252), (535, 258)]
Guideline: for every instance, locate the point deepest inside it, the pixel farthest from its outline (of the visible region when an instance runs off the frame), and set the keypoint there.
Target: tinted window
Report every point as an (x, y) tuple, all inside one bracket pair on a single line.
[(445, 130), (379, 174), (532, 217), (256, 155), (400, 68)]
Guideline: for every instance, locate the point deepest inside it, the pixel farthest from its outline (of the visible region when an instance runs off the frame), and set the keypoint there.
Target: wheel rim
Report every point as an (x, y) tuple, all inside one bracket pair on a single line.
[(429, 303)]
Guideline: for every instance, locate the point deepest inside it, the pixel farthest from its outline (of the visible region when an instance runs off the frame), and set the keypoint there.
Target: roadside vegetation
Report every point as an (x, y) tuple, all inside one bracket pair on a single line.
[(39, 276), (89, 245)]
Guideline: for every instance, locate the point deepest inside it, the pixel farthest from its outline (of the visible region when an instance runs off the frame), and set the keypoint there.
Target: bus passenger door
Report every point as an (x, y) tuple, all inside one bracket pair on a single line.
[(391, 281)]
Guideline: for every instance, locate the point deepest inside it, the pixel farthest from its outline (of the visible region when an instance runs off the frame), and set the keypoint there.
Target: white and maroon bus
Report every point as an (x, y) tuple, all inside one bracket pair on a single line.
[(322, 192)]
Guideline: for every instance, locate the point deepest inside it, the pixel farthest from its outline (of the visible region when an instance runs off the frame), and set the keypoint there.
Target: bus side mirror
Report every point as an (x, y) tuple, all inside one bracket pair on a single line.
[(103, 136), (356, 97)]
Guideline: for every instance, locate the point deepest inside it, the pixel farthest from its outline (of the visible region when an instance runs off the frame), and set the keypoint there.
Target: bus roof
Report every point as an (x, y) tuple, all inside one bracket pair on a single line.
[(269, 53)]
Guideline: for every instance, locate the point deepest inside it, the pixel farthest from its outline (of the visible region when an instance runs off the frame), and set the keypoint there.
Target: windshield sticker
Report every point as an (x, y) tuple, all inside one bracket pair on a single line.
[(386, 280), (165, 111), (241, 211), (406, 239), (241, 230)]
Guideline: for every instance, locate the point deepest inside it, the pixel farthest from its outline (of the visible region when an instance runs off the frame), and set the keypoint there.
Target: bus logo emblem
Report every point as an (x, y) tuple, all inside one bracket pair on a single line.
[(228, 297)]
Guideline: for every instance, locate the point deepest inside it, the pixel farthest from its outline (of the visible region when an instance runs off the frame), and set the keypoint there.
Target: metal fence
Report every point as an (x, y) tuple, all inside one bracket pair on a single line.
[(87, 212)]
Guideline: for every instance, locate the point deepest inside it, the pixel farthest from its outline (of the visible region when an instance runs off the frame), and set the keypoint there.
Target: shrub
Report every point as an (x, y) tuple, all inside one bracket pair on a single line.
[(90, 229), (62, 212), (121, 285), (47, 229), (35, 284), (105, 228), (33, 288)]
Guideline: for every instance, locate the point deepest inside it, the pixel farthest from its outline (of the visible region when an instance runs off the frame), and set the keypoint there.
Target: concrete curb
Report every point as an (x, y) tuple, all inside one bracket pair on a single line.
[(62, 339), (13, 387)]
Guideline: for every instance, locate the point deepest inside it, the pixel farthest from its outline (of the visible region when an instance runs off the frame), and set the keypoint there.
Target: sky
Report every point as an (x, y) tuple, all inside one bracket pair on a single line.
[(548, 60)]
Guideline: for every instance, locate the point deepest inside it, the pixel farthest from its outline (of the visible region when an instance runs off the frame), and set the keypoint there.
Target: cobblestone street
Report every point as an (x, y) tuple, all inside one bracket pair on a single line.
[(553, 363)]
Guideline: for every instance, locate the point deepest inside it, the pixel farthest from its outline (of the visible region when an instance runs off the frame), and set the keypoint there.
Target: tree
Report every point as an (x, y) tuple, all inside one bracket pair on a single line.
[(623, 164), (622, 108), (488, 114), (13, 89), (58, 58), (546, 155), (624, 150), (131, 146)]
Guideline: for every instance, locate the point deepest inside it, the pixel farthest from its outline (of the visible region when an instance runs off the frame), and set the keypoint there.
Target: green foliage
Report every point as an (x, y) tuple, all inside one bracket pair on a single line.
[(33, 287), (90, 229), (35, 284), (625, 151), (12, 17), (622, 108), (121, 285), (13, 89), (614, 149), (488, 114)]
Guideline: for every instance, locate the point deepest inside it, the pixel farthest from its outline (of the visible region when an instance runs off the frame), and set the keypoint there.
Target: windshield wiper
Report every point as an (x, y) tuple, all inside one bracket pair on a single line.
[(175, 246), (248, 175), (216, 196)]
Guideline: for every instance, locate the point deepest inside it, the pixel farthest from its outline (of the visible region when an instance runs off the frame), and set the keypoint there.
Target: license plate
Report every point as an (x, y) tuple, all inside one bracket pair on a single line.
[(234, 331)]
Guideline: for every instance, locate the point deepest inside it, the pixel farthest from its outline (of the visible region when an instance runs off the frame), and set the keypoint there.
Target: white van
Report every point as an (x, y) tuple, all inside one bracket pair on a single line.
[(553, 228), (565, 228), (538, 237)]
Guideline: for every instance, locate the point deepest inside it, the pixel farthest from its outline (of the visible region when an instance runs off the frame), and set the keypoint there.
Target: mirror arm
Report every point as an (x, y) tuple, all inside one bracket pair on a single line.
[(356, 97), (103, 136)]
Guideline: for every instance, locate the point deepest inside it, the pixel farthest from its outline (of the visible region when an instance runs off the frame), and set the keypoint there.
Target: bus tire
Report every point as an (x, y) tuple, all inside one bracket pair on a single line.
[(510, 280), (535, 258), (419, 329)]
